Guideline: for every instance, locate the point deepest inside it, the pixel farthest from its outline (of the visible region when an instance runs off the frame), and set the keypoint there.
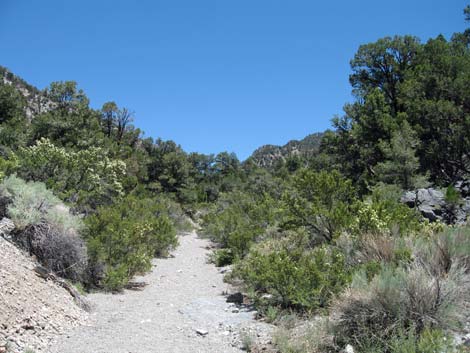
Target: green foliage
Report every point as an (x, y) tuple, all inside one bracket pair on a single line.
[(382, 212), (327, 209), (238, 220), (8, 166), (169, 166), (384, 64), (409, 118), (45, 227), (452, 196), (321, 202), (32, 203), (66, 95), (124, 237), (68, 121), (296, 278), (88, 177), (401, 164), (12, 116), (222, 257), (429, 341)]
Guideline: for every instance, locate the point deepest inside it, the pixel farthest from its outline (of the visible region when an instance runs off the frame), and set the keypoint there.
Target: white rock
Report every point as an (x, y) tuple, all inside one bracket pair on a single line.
[(202, 332)]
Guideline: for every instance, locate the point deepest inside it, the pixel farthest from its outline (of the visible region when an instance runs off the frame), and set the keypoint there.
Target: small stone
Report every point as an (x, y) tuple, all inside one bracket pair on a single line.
[(235, 311), (202, 332), (235, 298)]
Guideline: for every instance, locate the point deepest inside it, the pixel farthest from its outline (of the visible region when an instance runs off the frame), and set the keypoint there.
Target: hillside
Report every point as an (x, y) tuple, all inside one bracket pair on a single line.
[(36, 101), (33, 311), (266, 156)]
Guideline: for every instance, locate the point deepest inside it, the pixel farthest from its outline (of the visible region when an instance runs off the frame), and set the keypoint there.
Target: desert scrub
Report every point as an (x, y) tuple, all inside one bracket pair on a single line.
[(45, 227), (397, 300), (221, 257), (294, 277), (382, 212), (311, 336), (87, 177), (237, 221), (123, 238), (444, 249), (323, 203), (31, 203), (172, 209)]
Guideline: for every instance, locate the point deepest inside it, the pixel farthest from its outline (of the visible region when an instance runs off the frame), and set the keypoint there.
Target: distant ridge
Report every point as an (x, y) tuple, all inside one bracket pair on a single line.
[(36, 100), (268, 155)]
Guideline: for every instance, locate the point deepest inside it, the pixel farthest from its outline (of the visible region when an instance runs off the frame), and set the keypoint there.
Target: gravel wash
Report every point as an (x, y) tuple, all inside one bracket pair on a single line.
[(182, 309)]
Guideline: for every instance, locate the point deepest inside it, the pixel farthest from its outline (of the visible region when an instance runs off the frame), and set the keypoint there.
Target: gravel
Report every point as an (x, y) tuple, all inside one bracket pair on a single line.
[(182, 309), (32, 310)]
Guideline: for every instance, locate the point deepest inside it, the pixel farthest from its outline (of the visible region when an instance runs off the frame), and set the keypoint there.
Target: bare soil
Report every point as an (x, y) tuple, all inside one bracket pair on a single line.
[(182, 309)]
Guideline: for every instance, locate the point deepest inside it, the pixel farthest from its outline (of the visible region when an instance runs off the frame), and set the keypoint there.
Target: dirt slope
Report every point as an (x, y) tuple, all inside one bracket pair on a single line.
[(32, 310)]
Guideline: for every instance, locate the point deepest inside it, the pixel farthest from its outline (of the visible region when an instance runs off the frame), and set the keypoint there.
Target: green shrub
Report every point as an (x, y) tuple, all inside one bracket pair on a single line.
[(382, 211), (222, 257), (88, 177), (173, 210), (238, 220), (429, 341), (452, 196), (123, 238), (7, 166), (295, 278), (45, 227), (322, 203)]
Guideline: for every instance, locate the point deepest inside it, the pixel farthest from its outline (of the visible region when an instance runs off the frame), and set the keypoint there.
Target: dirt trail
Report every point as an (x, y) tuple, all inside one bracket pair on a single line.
[(184, 295)]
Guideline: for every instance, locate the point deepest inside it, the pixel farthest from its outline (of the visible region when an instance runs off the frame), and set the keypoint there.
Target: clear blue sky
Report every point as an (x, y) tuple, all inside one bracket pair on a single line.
[(213, 75)]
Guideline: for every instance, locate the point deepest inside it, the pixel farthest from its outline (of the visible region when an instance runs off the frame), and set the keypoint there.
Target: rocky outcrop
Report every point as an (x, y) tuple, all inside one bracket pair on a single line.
[(268, 155), (36, 100), (432, 204)]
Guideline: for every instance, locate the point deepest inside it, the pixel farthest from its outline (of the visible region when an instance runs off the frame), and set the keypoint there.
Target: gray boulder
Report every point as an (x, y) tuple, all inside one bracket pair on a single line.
[(432, 204), (463, 186)]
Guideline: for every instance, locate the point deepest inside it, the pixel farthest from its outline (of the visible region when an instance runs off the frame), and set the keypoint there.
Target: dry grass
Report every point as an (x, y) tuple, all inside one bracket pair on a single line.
[(400, 299), (376, 247), (63, 253)]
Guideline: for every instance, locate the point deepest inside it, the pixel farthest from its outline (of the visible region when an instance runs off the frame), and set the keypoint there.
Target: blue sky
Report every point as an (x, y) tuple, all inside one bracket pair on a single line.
[(215, 75)]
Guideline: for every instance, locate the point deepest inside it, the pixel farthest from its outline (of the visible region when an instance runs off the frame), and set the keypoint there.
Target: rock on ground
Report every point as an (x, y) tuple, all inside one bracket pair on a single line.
[(181, 310), (32, 310), (433, 206)]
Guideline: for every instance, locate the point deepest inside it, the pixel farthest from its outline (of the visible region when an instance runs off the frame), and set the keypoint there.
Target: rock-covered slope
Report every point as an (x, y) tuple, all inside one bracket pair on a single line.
[(432, 203), (32, 310), (268, 155), (36, 100)]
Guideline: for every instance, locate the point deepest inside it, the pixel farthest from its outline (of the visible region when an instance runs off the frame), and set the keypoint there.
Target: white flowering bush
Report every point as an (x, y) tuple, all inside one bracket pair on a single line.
[(88, 177)]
